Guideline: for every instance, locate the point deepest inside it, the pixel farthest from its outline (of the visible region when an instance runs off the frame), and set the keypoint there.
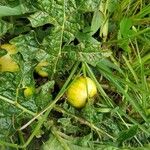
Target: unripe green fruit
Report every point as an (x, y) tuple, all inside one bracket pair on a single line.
[(80, 90)]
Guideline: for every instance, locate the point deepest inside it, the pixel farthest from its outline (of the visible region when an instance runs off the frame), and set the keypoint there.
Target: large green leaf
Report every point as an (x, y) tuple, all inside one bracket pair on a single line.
[(66, 22), (63, 15)]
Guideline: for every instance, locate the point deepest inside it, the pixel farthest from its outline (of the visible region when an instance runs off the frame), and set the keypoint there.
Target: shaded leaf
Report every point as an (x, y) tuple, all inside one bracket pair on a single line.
[(4, 27)]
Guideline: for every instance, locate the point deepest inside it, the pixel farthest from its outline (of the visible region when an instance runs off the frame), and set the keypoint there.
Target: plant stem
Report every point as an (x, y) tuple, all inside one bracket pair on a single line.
[(17, 105), (8, 144), (21, 138)]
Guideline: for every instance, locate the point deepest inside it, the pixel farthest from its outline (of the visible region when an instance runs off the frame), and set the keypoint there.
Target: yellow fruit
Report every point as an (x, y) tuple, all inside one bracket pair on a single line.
[(6, 62), (80, 90), (28, 91), (43, 73), (39, 70)]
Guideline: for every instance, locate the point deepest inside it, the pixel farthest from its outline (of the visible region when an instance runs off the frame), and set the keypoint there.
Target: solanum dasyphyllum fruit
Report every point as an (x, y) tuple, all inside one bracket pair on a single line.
[(6, 62), (79, 91), (39, 69), (28, 91)]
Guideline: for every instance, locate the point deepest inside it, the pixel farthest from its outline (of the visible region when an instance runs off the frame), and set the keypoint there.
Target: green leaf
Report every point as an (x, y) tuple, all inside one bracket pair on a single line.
[(66, 21), (112, 5), (2, 52), (87, 5), (40, 18), (68, 126), (125, 26), (54, 143), (59, 143), (5, 125), (8, 11), (28, 47), (97, 20), (88, 50), (124, 34), (7, 89), (127, 134), (145, 11), (4, 27), (44, 95), (106, 65), (17, 10)]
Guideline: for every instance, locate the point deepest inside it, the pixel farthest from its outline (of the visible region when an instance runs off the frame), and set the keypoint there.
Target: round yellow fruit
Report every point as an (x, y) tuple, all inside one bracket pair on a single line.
[(80, 90)]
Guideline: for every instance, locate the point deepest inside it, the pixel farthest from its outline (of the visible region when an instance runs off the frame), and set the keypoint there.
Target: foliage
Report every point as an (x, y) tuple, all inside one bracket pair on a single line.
[(106, 40)]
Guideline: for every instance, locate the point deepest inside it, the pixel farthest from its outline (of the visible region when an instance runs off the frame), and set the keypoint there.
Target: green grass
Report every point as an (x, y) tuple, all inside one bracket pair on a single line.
[(108, 41)]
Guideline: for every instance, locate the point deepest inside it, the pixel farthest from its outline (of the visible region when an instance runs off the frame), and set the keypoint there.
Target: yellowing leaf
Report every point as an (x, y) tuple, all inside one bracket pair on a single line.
[(6, 62), (11, 49)]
